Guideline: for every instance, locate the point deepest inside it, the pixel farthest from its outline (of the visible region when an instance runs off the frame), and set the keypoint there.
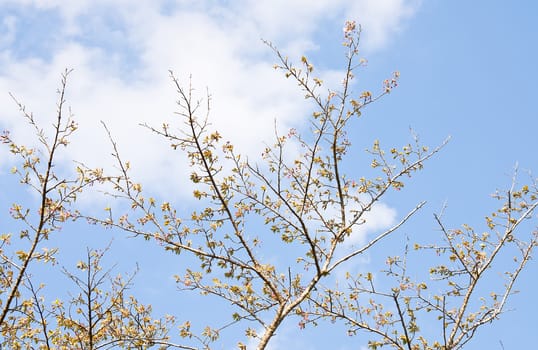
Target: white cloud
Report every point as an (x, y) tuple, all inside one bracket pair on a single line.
[(374, 222), (379, 218), (218, 44), (381, 19)]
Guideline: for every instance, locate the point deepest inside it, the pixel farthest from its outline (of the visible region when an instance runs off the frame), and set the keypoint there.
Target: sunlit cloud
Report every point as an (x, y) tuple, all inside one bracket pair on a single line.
[(381, 19), (121, 52), (378, 219)]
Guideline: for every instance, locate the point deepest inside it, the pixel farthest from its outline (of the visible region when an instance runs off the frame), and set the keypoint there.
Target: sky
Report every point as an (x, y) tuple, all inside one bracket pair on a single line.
[(468, 71)]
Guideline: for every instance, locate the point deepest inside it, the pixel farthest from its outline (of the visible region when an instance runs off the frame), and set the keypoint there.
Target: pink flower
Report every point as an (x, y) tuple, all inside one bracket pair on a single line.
[(349, 27)]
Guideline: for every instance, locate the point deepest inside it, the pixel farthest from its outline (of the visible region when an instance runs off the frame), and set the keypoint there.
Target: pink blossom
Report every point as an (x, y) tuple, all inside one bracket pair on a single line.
[(349, 27)]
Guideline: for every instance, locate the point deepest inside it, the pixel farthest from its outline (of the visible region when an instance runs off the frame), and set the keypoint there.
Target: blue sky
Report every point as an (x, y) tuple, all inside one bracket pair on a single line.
[(468, 70)]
